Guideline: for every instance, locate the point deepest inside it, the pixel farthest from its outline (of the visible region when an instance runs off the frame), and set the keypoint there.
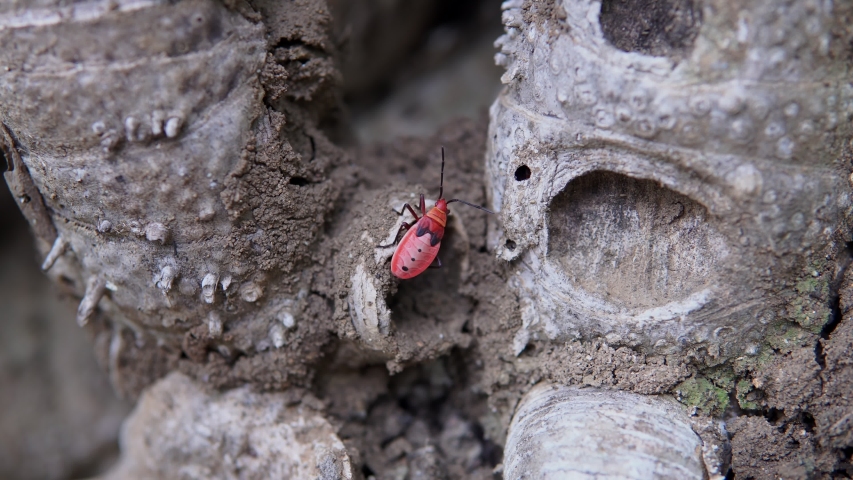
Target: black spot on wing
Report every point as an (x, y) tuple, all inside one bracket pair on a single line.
[(405, 268), (423, 228)]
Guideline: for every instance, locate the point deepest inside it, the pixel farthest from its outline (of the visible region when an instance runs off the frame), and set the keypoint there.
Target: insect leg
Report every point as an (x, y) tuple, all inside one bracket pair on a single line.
[(411, 210), (423, 205), (439, 263), (403, 227)]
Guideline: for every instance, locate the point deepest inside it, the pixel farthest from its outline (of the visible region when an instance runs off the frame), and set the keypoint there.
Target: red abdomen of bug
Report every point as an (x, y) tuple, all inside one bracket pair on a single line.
[(420, 245)]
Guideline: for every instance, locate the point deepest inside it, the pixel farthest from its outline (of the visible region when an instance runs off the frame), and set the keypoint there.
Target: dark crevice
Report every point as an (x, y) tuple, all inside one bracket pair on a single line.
[(844, 469), (5, 162), (730, 475), (286, 44), (93, 465), (774, 416), (313, 148), (734, 410), (5, 149), (835, 305), (528, 350), (289, 43), (235, 355), (298, 181), (808, 422), (492, 453)]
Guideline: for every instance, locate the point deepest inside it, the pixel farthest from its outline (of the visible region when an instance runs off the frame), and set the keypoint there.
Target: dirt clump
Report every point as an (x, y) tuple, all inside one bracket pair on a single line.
[(407, 401)]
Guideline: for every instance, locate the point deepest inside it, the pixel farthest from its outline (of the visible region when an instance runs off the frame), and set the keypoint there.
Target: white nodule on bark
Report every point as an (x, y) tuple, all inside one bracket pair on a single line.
[(156, 232), (226, 282), (157, 118), (287, 319), (173, 127), (214, 324), (56, 251), (208, 287), (95, 289), (166, 277), (585, 433), (369, 314), (251, 292), (277, 335), (131, 125)]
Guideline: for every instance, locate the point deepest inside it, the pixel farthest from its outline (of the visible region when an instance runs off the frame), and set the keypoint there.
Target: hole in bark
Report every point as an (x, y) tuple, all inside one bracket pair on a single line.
[(774, 416), (633, 242), (491, 454), (808, 422), (298, 181), (289, 43), (510, 244), (522, 173), (5, 162), (844, 469), (663, 28)]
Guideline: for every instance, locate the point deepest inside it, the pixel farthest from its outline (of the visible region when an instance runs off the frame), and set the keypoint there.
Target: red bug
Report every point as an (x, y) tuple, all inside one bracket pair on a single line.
[(419, 247)]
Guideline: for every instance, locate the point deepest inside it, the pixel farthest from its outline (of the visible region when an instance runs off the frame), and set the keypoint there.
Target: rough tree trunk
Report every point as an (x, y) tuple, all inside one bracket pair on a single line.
[(670, 248)]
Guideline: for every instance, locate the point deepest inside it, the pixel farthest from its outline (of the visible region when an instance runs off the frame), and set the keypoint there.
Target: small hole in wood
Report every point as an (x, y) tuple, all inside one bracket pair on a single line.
[(522, 173), (5, 163), (510, 244)]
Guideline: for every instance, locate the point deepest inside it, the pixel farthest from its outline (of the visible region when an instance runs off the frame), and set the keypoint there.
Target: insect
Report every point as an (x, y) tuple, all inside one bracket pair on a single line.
[(419, 247)]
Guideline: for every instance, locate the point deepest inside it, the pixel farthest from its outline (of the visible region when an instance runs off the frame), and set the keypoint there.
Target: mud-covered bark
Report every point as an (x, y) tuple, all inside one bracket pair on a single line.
[(186, 174)]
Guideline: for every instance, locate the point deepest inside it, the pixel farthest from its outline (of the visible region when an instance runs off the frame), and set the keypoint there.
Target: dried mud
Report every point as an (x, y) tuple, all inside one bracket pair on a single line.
[(426, 420)]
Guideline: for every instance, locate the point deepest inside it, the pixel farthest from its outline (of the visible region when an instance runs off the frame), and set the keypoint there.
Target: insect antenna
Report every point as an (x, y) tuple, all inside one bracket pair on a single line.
[(441, 187), (471, 205)]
